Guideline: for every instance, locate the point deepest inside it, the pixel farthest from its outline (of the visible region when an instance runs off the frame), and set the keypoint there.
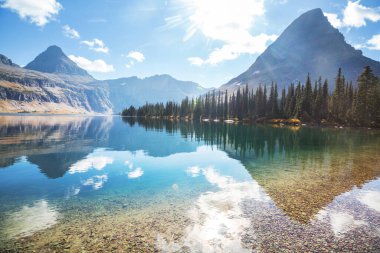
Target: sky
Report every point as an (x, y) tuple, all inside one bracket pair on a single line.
[(205, 41)]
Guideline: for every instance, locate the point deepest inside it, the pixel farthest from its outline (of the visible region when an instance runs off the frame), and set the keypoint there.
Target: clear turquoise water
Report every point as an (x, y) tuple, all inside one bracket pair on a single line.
[(231, 188)]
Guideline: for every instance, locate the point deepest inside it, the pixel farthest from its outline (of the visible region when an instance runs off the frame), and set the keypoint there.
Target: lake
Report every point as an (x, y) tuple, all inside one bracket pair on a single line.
[(95, 184)]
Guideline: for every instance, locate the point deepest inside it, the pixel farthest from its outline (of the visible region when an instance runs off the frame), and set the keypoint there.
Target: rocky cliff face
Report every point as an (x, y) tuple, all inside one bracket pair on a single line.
[(310, 44), (23, 90)]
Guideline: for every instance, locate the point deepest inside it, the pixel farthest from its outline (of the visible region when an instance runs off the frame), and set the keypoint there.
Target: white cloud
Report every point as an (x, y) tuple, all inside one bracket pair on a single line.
[(130, 64), (374, 42), (359, 46), (137, 56), (30, 219), (134, 56), (128, 163), (229, 22), (70, 32), (371, 199), (96, 162), (197, 61), (214, 178), (39, 12), (97, 181), (193, 171), (342, 222), (333, 19), (92, 66), (354, 15), (249, 45), (138, 172), (217, 221), (222, 19), (96, 45)]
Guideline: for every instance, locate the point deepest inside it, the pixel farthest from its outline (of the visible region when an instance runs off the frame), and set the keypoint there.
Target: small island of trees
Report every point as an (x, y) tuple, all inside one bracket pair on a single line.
[(347, 105)]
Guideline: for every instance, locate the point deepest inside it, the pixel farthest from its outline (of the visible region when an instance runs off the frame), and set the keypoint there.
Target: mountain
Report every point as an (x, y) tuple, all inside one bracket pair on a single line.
[(134, 91), (53, 60), (52, 83), (310, 44), (25, 90)]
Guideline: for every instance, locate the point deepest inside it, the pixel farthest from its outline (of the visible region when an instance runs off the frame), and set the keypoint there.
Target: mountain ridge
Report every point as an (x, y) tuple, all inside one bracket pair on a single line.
[(136, 91), (310, 44), (52, 83)]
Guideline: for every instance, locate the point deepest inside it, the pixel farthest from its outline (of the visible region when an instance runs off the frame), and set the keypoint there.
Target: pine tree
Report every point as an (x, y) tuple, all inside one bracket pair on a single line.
[(282, 104), (367, 99), (226, 113), (338, 107), (307, 97), (325, 100), (298, 101), (318, 102), (264, 105)]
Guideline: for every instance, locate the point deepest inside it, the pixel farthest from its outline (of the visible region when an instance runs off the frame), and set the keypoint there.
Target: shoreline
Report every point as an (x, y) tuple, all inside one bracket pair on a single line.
[(260, 121), (281, 122)]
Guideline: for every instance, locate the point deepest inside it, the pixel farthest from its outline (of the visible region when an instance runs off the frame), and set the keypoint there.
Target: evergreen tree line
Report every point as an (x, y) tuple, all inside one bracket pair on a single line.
[(359, 105), (256, 140)]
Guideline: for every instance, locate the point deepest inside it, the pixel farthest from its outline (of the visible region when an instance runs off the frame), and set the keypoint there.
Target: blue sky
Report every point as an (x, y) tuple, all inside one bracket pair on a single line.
[(206, 41)]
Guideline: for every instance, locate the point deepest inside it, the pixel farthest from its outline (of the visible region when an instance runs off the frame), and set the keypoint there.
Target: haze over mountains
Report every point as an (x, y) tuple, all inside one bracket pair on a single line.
[(155, 89), (310, 44)]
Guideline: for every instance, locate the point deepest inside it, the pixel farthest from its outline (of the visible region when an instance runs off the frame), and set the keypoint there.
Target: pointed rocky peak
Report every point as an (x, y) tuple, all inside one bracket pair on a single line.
[(310, 44), (314, 15), (54, 60), (312, 32)]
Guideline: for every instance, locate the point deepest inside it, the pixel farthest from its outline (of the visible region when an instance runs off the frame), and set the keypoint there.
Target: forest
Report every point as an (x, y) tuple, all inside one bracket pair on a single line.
[(347, 104)]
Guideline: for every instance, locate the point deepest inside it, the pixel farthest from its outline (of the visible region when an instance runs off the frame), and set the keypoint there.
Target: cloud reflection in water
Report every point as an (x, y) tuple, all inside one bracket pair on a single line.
[(371, 199), (30, 219), (96, 162), (97, 181), (217, 218), (138, 172)]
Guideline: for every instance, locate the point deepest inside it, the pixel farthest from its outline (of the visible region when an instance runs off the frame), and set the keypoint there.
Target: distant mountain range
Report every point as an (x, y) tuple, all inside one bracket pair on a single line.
[(52, 83), (158, 88), (310, 44)]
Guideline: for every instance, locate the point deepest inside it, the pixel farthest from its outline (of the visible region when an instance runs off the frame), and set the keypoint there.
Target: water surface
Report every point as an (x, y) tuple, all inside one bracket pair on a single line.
[(75, 183)]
